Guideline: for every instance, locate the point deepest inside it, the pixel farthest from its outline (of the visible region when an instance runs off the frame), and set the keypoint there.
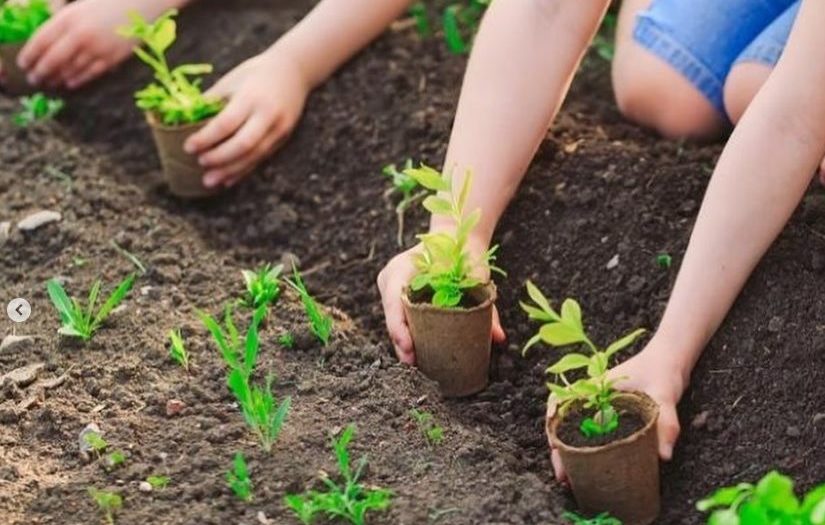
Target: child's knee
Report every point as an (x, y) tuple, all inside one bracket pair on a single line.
[(743, 83)]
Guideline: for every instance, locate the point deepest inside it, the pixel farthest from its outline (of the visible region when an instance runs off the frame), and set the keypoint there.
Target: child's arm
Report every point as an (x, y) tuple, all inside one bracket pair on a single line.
[(267, 93), (522, 63), (80, 42), (761, 176)]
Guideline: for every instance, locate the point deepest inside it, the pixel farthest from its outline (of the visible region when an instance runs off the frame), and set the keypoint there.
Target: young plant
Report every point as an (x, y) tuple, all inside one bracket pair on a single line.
[(96, 442), (260, 410), (771, 501), (108, 503), (319, 323), (158, 482), (430, 429), (37, 107), (287, 340), (422, 21), (604, 40), (664, 260), (445, 265), (263, 286), (602, 519), (19, 20), (177, 350), (114, 460), (84, 322), (174, 98), (595, 391), (406, 186), (238, 479), (461, 21), (236, 356), (350, 500)]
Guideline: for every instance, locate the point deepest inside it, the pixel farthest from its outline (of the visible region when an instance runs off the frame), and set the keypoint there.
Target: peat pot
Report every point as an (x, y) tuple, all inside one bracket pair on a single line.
[(15, 82), (452, 345), (181, 170), (621, 477)]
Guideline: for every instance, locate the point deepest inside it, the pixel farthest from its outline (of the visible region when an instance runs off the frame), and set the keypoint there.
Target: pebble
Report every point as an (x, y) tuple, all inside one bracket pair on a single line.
[(290, 262), (5, 232), (776, 324), (818, 418), (83, 445), (11, 341), (145, 486), (38, 219), (701, 420), (793, 431), (613, 263), (25, 375), (635, 284), (263, 520), (174, 407)]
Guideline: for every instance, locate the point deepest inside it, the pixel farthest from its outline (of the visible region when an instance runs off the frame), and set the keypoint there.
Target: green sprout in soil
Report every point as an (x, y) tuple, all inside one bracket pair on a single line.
[(459, 22), (406, 186), (236, 356), (36, 108), (114, 460), (595, 391), (604, 40), (350, 500), (602, 519), (20, 20), (177, 350), (664, 260), (444, 265), (430, 429), (81, 322), (238, 479), (96, 442), (319, 323), (422, 20), (129, 256), (771, 501), (108, 503), (287, 340), (263, 286), (174, 98), (264, 415), (158, 482)]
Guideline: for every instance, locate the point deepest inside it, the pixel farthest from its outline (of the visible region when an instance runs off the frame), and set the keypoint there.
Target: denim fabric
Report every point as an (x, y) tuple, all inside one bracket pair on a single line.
[(703, 39)]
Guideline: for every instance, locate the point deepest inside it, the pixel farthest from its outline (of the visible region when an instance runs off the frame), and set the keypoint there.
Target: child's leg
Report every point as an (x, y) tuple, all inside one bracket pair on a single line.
[(755, 64), (673, 56)]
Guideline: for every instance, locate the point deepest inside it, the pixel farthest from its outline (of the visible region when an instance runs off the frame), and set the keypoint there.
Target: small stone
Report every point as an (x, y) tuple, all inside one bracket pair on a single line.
[(145, 486), (613, 263), (24, 375), (635, 284), (818, 418), (5, 232), (793, 431), (262, 519), (38, 219), (174, 407), (776, 324), (701, 420), (290, 262), (83, 445), (11, 341), (306, 387)]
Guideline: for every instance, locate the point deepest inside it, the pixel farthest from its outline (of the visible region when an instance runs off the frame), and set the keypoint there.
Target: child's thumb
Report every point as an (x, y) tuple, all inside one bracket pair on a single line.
[(668, 431)]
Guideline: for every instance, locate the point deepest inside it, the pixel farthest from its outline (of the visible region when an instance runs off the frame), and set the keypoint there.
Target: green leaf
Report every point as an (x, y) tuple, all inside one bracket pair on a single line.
[(775, 492), (724, 517), (569, 362), (723, 497), (560, 334), (813, 506), (115, 299), (429, 178), (532, 342), (624, 342), (751, 513), (164, 35), (571, 314), (539, 298), (437, 205)]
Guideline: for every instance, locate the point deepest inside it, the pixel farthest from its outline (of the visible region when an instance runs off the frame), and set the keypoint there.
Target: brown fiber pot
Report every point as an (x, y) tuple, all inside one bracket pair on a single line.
[(452, 345), (182, 171), (14, 78), (622, 477)]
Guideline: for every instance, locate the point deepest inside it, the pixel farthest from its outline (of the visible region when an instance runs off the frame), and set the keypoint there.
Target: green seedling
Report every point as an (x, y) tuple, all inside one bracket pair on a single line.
[(602, 519), (319, 323), (238, 479), (287, 340), (81, 322), (407, 187), (444, 265), (422, 21), (36, 108), (158, 482), (20, 20), (235, 355), (664, 260), (461, 21), (177, 350), (595, 391), (430, 429), (263, 286), (108, 503), (115, 459), (174, 98), (604, 40), (260, 409), (350, 500), (771, 501), (129, 256), (96, 442)]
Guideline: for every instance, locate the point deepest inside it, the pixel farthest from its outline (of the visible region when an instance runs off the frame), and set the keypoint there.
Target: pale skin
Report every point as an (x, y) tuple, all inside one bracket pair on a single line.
[(777, 145)]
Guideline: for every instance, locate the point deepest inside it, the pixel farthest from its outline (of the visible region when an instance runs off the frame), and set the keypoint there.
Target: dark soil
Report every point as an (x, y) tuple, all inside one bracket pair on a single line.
[(599, 187), (569, 432)]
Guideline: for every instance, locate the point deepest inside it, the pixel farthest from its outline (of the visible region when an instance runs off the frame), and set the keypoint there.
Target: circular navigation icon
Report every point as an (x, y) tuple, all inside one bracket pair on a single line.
[(19, 310)]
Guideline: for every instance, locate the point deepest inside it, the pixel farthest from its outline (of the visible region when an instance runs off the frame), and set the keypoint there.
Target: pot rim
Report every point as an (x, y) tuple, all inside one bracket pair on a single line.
[(489, 285), (552, 421), (155, 122)]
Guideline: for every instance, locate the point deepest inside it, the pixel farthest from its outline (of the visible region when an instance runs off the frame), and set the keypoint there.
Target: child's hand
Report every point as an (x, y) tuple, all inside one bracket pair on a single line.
[(266, 96), (662, 380), (78, 44), (391, 282)]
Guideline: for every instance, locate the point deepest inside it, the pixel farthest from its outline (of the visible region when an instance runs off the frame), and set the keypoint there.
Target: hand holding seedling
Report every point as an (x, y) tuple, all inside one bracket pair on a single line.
[(79, 43), (265, 98)]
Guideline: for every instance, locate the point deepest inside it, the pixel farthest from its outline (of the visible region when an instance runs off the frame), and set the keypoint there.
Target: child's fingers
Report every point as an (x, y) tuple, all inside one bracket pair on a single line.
[(498, 332), (391, 282), (225, 124), (48, 66), (41, 41), (230, 174), (73, 68), (248, 139), (92, 71), (558, 467), (668, 430)]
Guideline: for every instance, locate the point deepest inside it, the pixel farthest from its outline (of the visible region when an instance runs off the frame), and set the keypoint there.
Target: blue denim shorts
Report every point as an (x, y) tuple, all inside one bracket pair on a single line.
[(704, 39)]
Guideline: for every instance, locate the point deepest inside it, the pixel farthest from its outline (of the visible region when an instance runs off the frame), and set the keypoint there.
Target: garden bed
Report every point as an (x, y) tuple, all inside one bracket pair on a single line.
[(599, 188)]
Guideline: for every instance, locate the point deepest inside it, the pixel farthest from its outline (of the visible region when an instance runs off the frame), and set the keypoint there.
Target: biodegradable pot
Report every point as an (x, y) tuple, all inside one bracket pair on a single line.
[(452, 345), (182, 171), (622, 477), (15, 82)]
